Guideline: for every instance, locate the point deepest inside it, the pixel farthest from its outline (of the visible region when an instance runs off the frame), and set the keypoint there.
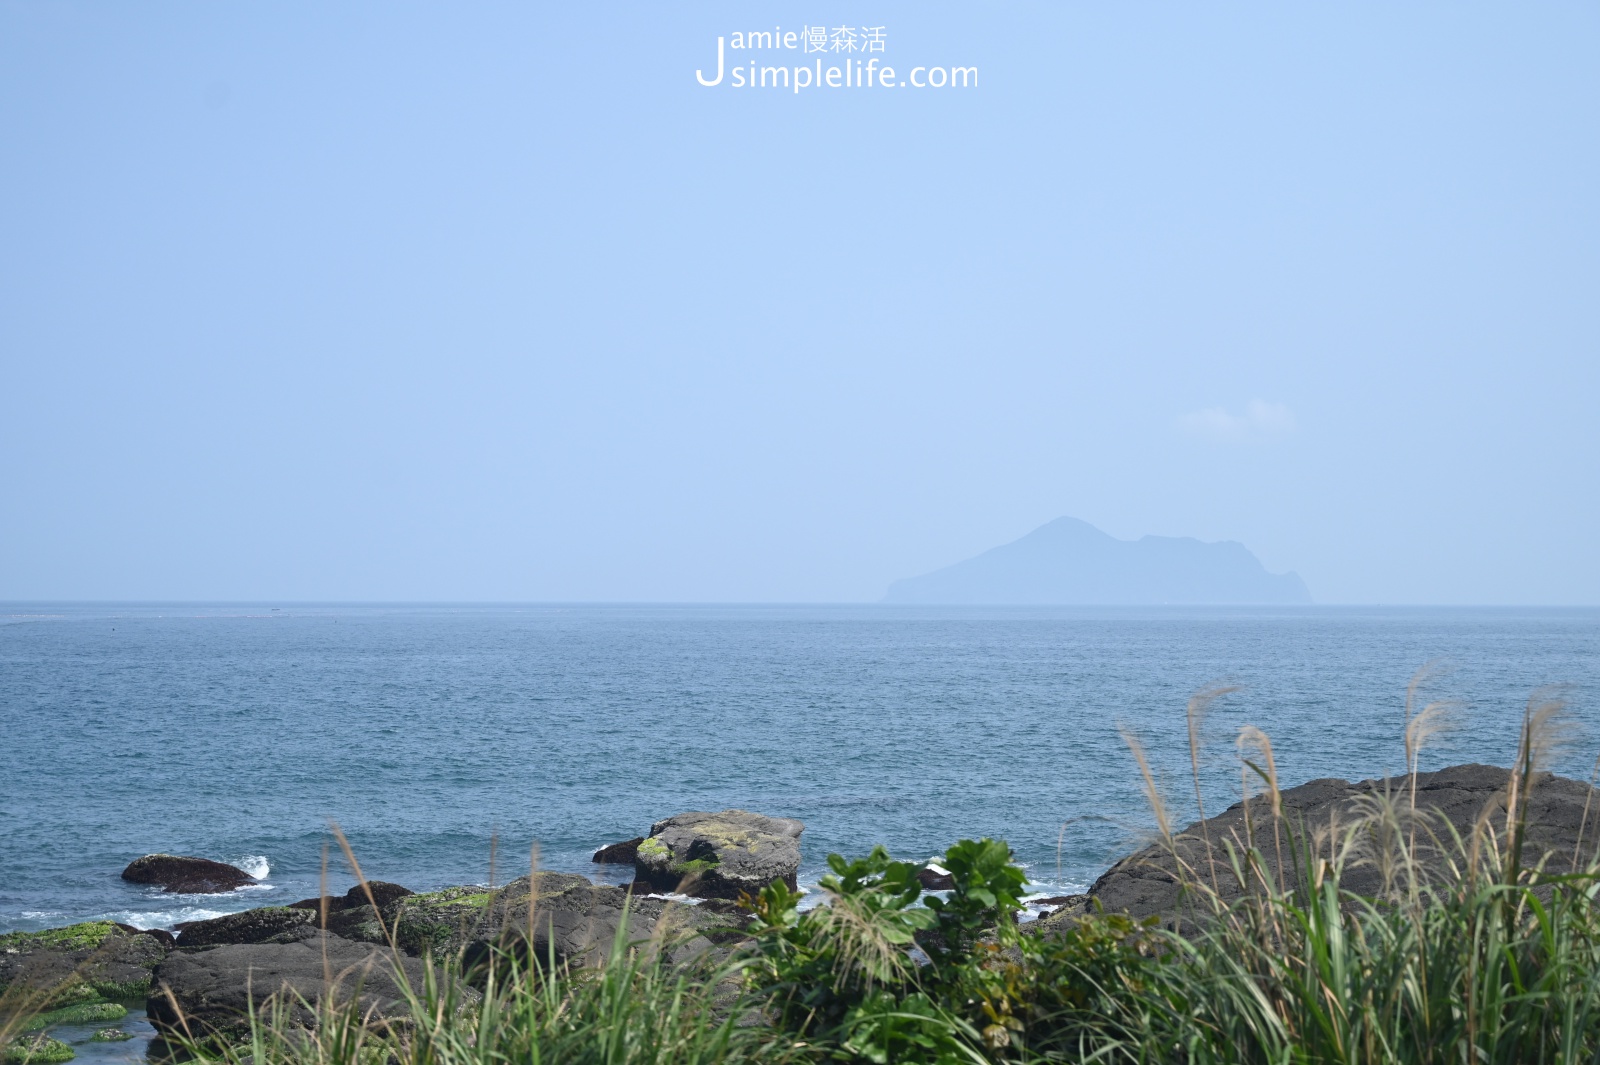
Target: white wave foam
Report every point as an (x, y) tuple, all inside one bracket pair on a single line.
[(254, 864), (162, 918)]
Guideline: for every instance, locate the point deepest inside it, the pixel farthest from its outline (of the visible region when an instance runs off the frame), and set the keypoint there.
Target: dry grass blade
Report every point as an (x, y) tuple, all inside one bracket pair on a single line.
[(1152, 794), (1250, 736), (1195, 714), (366, 889), (1434, 719), (1584, 822)]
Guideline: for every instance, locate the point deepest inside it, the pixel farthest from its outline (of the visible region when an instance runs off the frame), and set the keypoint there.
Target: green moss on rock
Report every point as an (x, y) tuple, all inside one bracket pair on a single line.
[(110, 1035), (89, 1013), (38, 1050), (86, 936)]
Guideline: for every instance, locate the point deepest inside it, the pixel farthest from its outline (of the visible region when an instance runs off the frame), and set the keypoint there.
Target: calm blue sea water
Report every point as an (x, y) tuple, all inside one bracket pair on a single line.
[(239, 732)]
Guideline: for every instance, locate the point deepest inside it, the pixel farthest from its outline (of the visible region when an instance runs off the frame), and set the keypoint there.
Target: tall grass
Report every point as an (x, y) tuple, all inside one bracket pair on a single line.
[(634, 1009), (1467, 954)]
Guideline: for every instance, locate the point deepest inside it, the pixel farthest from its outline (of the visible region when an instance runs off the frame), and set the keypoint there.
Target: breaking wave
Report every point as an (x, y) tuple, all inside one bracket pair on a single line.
[(254, 864)]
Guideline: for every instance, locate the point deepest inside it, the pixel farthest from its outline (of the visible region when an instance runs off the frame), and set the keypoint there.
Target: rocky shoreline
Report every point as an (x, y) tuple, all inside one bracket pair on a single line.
[(205, 978)]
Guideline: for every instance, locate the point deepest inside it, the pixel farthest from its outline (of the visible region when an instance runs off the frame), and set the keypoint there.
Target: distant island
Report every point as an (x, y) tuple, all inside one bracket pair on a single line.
[(1070, 562)]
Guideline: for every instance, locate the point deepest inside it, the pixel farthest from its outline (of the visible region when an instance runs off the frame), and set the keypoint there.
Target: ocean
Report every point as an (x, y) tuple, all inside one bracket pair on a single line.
[(455, 744)]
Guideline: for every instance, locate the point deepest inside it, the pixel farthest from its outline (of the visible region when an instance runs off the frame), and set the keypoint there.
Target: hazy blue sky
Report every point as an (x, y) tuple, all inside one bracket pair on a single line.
[(387, 301)]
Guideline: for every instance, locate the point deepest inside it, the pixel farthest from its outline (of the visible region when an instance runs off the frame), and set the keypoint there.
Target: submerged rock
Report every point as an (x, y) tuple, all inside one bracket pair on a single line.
[(720, 855), (189, 876), (80, 963), (1449, 804), (213, 991)]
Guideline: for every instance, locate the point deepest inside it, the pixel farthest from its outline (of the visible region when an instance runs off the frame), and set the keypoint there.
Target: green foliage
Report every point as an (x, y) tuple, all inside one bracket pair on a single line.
[(986, 895), (843, 976)]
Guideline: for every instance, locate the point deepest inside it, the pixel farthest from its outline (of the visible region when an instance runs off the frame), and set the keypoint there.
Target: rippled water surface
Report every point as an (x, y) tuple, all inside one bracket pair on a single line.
[(238, 733)]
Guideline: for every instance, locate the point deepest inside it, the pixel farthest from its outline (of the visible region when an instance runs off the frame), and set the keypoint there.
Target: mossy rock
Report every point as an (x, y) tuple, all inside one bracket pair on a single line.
[(89, 1013), (38, 1050), (81, 963), (110, 1035), (86, 936), (722, 855), (435, 922), (359, 923)]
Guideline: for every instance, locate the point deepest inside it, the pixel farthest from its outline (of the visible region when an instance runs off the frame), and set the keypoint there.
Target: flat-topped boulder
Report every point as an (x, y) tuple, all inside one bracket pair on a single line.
[(188, 876), (269, 924), (719, 855), (559, 915), (1448, 801), (213, 991)]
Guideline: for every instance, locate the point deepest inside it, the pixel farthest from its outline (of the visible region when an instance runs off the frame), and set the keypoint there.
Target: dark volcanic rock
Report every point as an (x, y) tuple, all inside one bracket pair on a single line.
[(270, 924), (80, 963), (720, 855), (216, 989), (167, 939), (618, 853), (381, 892), (933, 880), (1450, 799), (189, 876)]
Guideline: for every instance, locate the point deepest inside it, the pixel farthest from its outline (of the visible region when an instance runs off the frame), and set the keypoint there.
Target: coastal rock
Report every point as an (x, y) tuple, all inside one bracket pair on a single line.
[(167, 938), (935, 879), (214, 990), (720, 855), (376, 891), (1068, 911), (557, 915), (88, 1013), (189, 876), (38, 1049), (577, 923), (110, 1035), (270, 924), (80, 963), (622, 853), (1448, 801), (440, 922)]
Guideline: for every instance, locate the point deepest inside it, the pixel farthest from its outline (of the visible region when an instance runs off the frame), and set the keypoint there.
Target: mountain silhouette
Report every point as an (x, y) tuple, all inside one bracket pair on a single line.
[(1071, 562)]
